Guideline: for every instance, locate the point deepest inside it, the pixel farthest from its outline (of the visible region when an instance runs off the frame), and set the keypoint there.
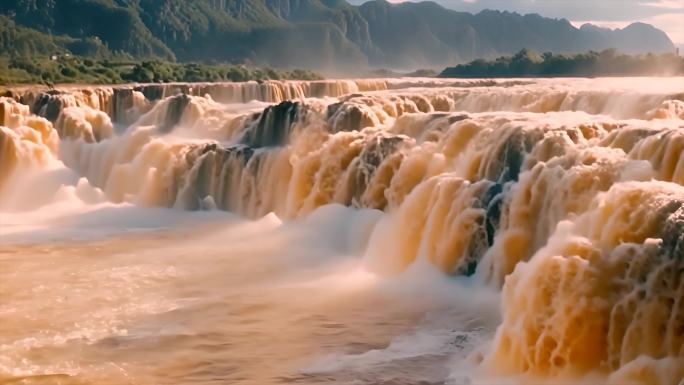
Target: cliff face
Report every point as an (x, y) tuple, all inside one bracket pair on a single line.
[(318, 34)]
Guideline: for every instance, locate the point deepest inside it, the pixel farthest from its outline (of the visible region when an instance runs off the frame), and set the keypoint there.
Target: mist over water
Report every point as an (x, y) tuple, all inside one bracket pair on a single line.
[(383, 231)]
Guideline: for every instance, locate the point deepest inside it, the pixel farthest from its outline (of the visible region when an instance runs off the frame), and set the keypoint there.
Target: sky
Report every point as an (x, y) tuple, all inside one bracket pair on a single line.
[(667, 15)]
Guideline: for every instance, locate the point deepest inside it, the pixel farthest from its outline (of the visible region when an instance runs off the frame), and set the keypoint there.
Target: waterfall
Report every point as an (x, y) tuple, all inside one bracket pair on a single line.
[(567, 195)]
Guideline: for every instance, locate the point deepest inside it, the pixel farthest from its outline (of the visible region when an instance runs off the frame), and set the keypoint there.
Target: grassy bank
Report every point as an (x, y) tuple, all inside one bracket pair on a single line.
[(64, 69)]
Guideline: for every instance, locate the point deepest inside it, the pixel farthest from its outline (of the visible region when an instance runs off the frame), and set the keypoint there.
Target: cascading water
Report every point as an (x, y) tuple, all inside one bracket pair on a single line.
[(565, 195)]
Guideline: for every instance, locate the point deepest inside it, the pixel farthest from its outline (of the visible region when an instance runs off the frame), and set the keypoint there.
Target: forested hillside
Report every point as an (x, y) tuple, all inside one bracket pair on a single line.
[(609, 62), (327, 35)]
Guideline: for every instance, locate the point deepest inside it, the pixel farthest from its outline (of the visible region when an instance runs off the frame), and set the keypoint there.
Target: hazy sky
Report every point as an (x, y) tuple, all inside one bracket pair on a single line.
[(667, 15)]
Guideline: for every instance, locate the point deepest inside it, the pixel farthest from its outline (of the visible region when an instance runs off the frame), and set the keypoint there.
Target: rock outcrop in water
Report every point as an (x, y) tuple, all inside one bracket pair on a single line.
[(568, 195)]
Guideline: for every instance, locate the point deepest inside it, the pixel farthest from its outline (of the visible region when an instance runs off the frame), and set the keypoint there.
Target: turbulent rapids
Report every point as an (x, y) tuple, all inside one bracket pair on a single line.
[(564, 196)]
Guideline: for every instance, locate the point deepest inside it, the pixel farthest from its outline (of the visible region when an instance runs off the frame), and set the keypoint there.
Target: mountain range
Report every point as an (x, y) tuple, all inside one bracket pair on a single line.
[(327, 35)]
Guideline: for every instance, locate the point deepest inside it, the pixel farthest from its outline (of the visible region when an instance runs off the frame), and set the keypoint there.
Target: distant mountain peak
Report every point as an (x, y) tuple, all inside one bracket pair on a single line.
[(641, 26)]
